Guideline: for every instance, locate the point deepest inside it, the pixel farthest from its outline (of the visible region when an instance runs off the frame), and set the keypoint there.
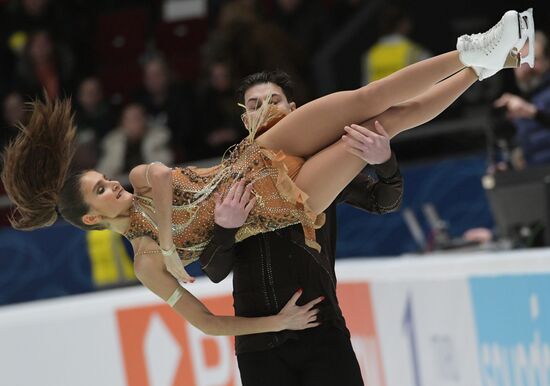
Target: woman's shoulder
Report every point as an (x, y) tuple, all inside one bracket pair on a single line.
[(144, 243), (144, 246)]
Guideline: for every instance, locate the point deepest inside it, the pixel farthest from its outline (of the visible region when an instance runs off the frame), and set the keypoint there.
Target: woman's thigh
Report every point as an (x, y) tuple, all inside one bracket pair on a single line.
[(319, 123)]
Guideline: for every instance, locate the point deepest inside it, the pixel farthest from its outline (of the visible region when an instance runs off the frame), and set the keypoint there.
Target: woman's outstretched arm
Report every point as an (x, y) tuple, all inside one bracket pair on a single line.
[(151, 272)]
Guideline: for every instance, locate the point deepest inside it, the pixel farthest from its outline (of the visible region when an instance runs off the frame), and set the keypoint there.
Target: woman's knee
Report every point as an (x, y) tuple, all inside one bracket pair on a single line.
[(375, 92)]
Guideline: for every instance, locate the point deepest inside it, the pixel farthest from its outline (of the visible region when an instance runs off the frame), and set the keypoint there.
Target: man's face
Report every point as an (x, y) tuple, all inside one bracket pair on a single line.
[(255, 96)]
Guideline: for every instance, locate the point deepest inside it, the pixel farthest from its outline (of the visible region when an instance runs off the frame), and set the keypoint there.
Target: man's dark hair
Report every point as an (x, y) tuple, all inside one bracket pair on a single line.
[(278, 77)]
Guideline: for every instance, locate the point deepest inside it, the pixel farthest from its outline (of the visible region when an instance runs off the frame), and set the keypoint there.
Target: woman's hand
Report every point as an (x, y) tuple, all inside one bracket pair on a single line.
[(372, 147), (233, 210), (175, 267), (294, 317)]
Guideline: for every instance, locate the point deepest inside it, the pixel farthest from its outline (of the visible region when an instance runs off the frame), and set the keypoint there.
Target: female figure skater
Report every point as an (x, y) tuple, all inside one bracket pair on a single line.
[(170, 215)]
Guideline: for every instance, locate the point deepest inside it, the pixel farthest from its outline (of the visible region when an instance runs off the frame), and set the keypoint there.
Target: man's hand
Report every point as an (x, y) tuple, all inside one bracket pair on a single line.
[(232, 211), (372, 147), (516, 107)]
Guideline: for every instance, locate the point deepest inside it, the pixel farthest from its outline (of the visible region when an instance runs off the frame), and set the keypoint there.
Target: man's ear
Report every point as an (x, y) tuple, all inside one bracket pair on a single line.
[(91, 219), (292, 106)]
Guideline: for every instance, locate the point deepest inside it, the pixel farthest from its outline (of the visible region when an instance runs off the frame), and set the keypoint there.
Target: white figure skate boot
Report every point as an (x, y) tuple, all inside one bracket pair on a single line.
[(513, 60), (491, 49)]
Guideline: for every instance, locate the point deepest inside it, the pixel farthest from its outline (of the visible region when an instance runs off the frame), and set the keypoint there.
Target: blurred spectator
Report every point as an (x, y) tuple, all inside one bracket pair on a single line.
[(44, 65), (134, 142), (24, 16), (93, 119), (341, 11), (220, 120), (92, 111), (169, 104), (249, 44), (530, 111), (13, 112), (20, 18), (306, 21), (394, 49)]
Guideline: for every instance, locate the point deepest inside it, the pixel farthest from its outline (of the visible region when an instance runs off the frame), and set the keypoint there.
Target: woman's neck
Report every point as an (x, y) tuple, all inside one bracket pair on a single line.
[(121, 223)]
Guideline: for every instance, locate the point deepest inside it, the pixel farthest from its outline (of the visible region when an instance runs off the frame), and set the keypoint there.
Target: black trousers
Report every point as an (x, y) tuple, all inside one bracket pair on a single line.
[(323, 356)]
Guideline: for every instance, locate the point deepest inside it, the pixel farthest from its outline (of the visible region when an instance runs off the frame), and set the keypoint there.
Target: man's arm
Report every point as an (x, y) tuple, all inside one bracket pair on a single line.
[(231, 212), (218, 257), (384, 195)]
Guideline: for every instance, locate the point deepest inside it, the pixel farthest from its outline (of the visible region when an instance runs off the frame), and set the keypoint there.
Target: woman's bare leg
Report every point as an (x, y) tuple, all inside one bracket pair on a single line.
[(321, 122), (327, 173), (335, 161), (424, 107)]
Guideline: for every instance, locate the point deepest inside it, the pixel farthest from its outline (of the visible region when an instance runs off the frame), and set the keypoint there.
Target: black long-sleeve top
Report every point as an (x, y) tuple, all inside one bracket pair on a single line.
[(268, 268)]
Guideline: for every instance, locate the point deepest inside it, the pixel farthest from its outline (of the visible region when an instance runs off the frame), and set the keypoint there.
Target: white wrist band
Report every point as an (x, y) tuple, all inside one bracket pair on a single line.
[(168, 252), (176, 295)]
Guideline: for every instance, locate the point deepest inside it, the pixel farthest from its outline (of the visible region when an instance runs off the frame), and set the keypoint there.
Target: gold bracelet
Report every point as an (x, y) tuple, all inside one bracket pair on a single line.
[(176, 295), (168, 252)]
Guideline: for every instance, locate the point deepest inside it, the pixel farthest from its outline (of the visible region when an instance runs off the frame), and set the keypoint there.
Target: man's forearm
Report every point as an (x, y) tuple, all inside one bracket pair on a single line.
[(388, 191), (376, 197), (219, 255)]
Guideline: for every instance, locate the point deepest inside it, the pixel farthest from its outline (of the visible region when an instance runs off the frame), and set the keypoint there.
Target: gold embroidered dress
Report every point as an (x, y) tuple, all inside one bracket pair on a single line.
[(279, 202)]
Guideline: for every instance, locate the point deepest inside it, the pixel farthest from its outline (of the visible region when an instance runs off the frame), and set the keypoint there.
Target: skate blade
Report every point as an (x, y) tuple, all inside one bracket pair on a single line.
[(527, 34)]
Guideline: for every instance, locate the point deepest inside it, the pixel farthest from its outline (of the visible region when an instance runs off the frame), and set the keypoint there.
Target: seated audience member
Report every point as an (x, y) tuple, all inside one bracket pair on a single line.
[(530, 111), (92, 111), (169, 104), (220, 117), (133, 143), (394, 49), (93, 119), (13, 112), (44, 65)]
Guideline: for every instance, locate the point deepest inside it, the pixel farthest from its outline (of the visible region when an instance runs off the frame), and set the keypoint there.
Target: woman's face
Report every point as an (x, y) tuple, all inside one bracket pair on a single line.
[(107, 198)]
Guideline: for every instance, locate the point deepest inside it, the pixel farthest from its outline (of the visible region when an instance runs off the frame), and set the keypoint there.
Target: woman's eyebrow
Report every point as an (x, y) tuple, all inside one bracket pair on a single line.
[(97, 183)]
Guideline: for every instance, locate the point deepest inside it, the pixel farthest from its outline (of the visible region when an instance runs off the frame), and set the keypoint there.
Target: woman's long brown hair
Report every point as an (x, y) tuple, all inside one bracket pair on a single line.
[(36, 164)]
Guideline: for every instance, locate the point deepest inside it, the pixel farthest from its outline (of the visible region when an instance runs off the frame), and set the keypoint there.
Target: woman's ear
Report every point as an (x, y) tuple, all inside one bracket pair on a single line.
[(91, 219)]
